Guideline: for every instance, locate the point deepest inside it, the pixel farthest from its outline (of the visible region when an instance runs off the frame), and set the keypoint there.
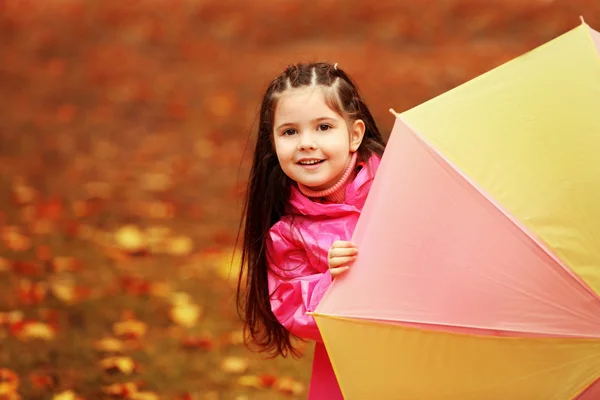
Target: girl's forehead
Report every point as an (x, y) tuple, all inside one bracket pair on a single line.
[(306, 101)]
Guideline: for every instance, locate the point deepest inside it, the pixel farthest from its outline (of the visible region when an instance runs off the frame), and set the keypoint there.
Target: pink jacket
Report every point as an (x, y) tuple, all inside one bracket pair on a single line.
[(298, 269)]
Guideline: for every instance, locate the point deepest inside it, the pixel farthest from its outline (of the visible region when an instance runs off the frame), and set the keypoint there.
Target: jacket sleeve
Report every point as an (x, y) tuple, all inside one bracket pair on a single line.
[(295, 285)]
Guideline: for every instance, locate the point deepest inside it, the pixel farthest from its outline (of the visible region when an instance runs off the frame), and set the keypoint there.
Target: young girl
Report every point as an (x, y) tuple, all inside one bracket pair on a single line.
[(316, 155)]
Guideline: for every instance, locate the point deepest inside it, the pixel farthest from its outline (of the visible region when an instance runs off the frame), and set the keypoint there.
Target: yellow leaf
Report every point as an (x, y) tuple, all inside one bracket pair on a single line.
[(109, 345), (63, 290), (9, 382), (251, 381), (178, 298), (37, 330), (66, 395), (234, 365), (123, 364), (130, 238), (186, 314), (14, 239), (227, 264), (130, 328), (143, 396), (180, 246)]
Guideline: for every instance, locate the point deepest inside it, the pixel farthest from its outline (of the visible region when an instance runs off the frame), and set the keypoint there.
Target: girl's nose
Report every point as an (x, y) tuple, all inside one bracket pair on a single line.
[(306, 142)]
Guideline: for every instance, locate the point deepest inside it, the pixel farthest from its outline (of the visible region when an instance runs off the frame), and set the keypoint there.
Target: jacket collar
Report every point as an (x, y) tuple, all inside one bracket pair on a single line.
[(356, 195)]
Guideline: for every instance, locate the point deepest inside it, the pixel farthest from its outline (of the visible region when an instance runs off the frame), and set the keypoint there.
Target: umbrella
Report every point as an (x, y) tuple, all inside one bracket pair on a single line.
[(479, 268)]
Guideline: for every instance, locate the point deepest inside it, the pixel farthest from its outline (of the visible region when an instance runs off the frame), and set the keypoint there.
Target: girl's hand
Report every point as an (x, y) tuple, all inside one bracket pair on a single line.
[(340, 256)]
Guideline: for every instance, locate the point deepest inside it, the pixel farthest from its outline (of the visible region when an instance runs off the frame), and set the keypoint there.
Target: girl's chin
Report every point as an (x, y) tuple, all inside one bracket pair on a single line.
[(316, 187)]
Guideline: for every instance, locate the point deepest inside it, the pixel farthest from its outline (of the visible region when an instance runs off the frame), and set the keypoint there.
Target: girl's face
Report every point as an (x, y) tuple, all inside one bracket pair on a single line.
[(314, 144)]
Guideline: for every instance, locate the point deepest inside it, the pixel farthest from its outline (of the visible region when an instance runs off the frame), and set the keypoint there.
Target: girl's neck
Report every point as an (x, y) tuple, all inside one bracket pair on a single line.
[(337, 192)]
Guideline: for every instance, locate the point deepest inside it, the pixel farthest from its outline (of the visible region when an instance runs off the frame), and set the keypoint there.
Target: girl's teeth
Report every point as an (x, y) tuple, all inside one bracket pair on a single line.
[(309, 162)]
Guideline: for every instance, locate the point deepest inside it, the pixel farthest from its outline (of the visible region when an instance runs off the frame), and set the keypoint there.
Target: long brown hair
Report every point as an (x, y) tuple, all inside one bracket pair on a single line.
[(269, 190)]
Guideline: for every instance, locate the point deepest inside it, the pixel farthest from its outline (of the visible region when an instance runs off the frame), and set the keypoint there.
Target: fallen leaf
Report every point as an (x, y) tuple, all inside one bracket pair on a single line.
[(135, 286), (32, 330), (131, 239), (31, 292), (160, 289), (11, 317), (204, 342), (51, 209), (251, 381), (9, 382), (234, 338), (27, 268), (180, 246), (121, 389), (64, 290), (267, 380), (109, 345), (42, 227), (5, 265), (24, 194), (15, 240), (120, 364), (43, 253), (143, 396), (43, 381), (226, 263), (186, 314), (65, 264), (66, 395), (130, 329), (234, 365), (289, 386), (180, 298)]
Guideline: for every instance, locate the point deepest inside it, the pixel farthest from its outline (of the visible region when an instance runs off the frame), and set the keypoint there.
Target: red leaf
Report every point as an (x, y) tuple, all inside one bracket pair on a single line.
[(199, 342)]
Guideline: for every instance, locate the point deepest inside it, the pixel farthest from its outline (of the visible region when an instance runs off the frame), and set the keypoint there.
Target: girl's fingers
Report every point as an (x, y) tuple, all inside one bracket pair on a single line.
[(343, 252), (335, 272), (341, 261), (342, 243)]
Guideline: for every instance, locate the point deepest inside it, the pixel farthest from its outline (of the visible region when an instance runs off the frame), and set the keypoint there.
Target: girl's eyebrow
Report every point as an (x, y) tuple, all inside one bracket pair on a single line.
[(320, 119)]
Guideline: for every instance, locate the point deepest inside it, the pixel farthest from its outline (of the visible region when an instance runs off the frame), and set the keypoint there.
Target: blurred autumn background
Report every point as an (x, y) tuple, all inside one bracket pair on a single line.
[(125, 138)]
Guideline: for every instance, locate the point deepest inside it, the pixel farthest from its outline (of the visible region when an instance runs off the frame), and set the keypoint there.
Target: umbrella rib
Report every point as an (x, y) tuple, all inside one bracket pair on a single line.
[(463, 329), (510, 217)]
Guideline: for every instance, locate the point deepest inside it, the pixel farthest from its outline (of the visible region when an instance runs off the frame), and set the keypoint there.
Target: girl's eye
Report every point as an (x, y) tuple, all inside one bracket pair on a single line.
[(289, 132), (324, 127)]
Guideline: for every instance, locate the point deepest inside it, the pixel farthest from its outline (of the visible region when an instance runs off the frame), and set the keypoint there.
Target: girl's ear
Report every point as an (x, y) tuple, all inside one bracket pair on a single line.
[(357, 132)]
